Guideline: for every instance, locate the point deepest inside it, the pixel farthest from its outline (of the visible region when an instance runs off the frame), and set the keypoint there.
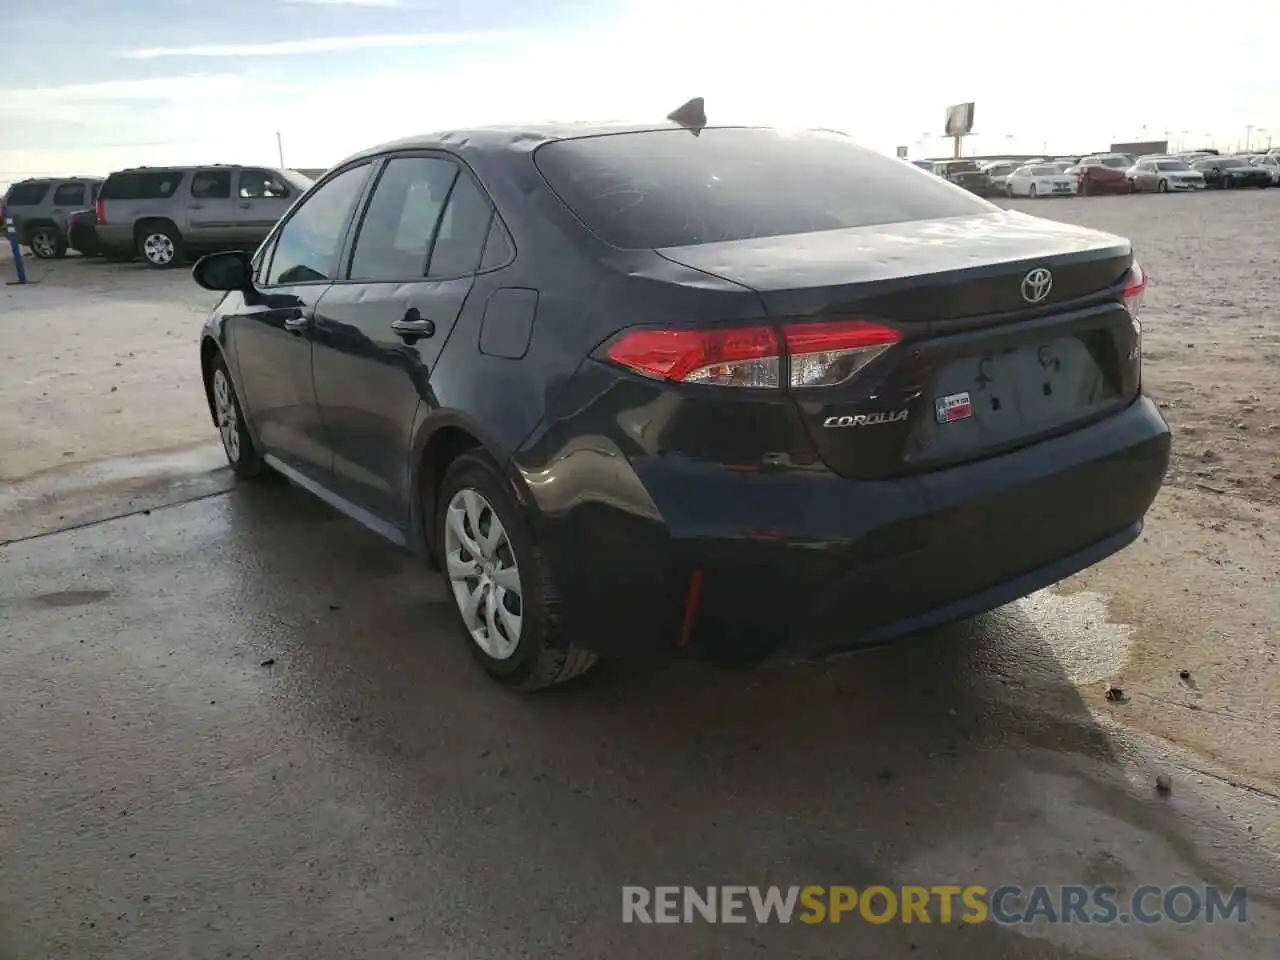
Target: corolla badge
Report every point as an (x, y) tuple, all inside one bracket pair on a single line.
[(867, 419), (1036, 285)]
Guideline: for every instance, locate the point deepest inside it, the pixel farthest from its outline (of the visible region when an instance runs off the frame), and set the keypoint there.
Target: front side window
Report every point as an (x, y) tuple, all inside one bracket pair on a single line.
[(394, 239), (255, 184), (69, 195), (667, 188), (306, 249), (211, 184), (26, 195)]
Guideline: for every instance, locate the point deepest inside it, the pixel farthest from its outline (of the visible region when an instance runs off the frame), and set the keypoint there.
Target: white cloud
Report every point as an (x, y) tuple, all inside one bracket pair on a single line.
[(393, 4), (320, 45)]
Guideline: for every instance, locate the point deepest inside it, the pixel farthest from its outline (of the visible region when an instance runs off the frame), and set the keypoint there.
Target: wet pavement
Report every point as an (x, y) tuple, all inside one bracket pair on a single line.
[(239, 725)]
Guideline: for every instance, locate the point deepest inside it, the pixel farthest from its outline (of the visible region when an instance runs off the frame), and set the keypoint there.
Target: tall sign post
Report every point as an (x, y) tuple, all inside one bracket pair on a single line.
[(959, 124), (11, 231)]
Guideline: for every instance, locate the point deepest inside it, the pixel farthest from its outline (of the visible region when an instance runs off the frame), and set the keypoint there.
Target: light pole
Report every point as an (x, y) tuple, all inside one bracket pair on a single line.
[(1248, 136), (280, 149)]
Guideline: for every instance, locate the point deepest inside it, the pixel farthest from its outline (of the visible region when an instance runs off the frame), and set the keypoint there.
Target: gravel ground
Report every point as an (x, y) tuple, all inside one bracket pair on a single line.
[(1211, 325)]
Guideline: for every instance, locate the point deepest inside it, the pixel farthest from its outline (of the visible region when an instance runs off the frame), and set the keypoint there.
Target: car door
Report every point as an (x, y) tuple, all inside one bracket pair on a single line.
[(67, 198), (211, 211), (271, 330), (262, 198), (380, 330)]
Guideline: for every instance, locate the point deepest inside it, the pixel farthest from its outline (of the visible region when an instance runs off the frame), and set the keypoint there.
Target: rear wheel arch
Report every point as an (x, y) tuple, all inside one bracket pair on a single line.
[(442, 441)]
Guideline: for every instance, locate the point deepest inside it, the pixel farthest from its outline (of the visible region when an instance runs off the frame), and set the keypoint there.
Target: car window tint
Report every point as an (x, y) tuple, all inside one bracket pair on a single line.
[(310, 239), (262, 183), (666, 188), (26, 194), (394, 238), (461, 234), (211, 184), (498, 248), (69, 195)]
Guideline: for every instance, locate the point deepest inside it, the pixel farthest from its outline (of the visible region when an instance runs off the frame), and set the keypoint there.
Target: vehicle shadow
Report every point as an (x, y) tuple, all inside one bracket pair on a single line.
[(951, 757)]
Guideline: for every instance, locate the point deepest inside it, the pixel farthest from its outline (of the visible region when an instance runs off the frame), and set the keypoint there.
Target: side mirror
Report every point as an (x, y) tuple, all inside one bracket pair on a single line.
[(224, 272)]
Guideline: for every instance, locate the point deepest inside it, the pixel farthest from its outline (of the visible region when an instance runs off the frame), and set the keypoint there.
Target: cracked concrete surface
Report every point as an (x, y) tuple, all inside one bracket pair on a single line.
[(369, 794)]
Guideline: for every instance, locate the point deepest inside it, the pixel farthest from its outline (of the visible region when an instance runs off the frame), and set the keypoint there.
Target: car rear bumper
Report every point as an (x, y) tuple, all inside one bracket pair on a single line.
[(738, 567)]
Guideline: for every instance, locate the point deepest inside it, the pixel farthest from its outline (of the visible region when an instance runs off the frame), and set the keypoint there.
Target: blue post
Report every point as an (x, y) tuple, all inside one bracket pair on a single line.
[(17, 251)]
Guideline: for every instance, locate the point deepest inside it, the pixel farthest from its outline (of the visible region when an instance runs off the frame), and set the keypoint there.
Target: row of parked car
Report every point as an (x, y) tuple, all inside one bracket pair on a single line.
[(163, 215), (1109, 173)]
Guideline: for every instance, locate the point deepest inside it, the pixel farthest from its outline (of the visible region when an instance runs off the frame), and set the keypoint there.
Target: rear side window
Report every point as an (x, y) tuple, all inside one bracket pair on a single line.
[(667, 188), (26, 194), (69, 195), (462, 230), (262, 183), (211, 184), (141, 185)]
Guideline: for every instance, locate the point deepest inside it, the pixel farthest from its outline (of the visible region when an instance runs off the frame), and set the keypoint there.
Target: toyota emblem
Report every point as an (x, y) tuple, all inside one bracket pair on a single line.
[(1036, 285)]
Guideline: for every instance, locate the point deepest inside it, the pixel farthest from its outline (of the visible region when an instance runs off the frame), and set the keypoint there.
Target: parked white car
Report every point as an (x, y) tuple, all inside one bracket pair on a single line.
[(1163, 175), (1040, 181), (1271, 163)]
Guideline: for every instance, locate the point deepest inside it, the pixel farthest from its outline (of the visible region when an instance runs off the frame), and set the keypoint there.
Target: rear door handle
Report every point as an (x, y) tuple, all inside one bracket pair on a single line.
[(413, 326), (246, 206), (196, 206)]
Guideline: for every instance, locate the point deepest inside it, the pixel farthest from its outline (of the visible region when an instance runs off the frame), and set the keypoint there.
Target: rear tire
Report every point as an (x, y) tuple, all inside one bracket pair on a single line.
[(504, 590), (159, 243)]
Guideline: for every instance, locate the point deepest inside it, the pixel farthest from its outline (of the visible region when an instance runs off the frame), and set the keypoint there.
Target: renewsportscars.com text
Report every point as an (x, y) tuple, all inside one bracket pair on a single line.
[(1007, 904)]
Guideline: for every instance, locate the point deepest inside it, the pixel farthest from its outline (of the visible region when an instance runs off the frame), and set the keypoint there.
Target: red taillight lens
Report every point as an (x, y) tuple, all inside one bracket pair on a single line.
[(100, 213), (739, 357), (826, 353), (821, 353), (1135, 286)]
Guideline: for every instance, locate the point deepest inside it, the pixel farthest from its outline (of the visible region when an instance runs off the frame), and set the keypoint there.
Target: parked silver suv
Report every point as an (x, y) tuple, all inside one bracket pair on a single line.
[(164, 214), (39, 208)]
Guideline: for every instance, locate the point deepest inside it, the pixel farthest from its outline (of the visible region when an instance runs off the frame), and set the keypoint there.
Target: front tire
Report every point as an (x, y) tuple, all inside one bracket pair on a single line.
[(242, 455), (1162, 186), (502, 585), (160, 244), (48, 243)]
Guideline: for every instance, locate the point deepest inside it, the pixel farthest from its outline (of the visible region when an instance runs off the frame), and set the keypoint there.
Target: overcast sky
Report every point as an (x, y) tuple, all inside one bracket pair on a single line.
[(94, 85)]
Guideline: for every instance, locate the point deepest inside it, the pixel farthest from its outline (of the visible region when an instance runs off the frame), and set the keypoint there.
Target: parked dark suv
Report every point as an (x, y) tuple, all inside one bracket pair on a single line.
[(162, 214), (40, 208)]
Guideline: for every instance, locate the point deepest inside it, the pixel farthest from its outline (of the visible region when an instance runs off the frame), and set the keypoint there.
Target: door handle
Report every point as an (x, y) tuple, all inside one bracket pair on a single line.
[(196, 206), (413, 326), (246, 206), (298, 321)]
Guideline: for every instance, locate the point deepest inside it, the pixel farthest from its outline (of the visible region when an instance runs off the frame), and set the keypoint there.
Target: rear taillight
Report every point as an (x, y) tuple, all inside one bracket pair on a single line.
[(100, 213), (824, 354), (1135, 286), (820, 354)]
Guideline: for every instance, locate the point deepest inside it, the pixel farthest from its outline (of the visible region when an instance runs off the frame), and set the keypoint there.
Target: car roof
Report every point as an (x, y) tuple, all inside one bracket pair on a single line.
[(523, 138)]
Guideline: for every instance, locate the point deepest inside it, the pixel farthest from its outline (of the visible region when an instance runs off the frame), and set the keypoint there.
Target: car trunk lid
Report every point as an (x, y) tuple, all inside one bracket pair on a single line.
[(993, 353)]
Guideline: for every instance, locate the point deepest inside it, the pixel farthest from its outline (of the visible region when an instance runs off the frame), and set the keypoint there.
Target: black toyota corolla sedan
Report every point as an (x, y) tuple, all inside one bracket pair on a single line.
[(732, 393)]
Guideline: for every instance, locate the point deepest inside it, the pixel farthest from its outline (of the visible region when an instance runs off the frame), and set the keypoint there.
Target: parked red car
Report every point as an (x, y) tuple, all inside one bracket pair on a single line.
[(1095, 179)]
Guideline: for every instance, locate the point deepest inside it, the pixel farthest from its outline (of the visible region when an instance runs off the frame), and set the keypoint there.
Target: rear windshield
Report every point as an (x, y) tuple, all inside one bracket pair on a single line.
[(1045, 171), (141, 185), (26, 194), (668, 188), (1171, 165)]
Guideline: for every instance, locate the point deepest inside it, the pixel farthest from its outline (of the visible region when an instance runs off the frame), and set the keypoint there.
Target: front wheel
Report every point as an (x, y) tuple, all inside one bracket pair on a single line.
[(1162, 186), (1031, 192), (48, 243), (242, 455), (501, 581)]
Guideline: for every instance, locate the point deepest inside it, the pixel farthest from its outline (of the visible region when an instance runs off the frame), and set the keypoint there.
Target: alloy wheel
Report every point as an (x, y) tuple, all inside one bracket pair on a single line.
[(483, 573), (228, 420), (44, 244), (158, 248)]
